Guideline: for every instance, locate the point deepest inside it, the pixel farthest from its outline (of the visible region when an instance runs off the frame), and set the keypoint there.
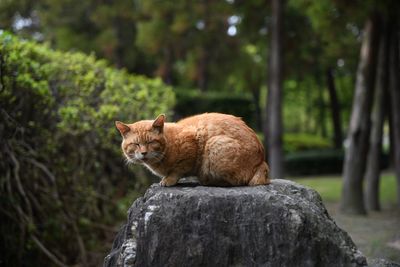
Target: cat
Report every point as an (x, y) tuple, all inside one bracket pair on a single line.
[(220, 149)]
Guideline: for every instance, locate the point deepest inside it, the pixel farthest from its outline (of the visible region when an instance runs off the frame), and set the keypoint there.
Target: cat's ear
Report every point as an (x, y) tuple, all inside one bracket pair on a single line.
[(158, 123), (122, 127)]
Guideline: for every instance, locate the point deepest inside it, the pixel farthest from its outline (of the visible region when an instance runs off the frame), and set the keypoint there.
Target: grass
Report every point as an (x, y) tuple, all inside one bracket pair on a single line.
[(330, 187)]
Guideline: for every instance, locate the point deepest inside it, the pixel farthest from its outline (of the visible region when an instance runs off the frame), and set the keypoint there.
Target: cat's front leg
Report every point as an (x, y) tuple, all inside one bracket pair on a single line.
[(169, 180)]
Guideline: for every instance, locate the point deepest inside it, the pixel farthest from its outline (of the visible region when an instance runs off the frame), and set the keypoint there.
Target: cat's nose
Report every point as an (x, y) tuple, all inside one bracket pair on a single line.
[(143, 153)]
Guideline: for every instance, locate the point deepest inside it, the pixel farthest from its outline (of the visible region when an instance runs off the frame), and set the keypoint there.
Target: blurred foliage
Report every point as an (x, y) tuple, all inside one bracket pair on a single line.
[(62, 169), (303, 142), (319, 161), (212, 46), (297, 142), (313, 162), (106, 28), (190, 102), (306, 105)]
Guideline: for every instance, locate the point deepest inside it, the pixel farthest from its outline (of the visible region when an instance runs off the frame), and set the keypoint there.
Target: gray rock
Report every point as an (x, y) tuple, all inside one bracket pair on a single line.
[(282, 224), (382, 263)]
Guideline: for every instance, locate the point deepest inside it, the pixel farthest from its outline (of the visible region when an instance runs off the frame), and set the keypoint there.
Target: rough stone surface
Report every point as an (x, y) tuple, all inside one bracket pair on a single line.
[(282, 224), (382, 263)]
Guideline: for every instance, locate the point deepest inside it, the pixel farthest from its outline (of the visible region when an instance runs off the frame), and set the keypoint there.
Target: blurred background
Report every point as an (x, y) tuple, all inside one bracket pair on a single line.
[(317, 80)]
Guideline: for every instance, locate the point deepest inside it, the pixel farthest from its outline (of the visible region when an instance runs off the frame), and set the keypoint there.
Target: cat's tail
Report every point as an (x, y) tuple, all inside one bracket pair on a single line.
[(261, 176)]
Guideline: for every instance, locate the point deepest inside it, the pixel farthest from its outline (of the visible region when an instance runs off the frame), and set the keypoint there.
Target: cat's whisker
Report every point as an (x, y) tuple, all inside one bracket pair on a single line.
[(129, 160)]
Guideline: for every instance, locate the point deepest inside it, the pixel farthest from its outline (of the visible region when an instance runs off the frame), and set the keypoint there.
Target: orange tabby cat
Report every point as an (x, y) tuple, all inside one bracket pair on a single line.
[(219, 149)]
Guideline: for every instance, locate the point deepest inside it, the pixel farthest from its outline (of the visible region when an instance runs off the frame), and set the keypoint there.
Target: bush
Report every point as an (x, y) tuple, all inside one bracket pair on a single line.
[(303, 141), (191, 102), (312, 162), (62, 169)]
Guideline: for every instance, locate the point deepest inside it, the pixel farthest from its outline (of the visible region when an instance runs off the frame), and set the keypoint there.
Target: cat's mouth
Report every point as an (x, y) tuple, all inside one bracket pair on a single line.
[(139, 158), (148, 158), (131, 158)]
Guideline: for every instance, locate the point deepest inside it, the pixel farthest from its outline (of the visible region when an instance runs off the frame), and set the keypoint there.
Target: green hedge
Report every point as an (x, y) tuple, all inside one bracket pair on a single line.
[(190, 102), (61, 168), (316, 162), (301, 142)]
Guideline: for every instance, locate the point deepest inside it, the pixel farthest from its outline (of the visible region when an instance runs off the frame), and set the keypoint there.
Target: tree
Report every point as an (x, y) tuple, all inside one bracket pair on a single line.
[(394, 89), (187, 41), (372, 175), (335, 109), (326, 49), (106, 28), (274, 128), (352, 200)]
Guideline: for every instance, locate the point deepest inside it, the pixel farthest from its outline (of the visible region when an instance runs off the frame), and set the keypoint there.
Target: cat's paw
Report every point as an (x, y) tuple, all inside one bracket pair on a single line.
[(168, 182)]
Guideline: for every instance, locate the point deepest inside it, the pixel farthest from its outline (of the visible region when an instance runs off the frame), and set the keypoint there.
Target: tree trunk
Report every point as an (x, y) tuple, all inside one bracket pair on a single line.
[(165, 68), (255, 92), (274, 127), (202, 81), (395, 100), (388, 110), (335, 109), (375, 151), (359, 130), (119, 49), (309, 125), (204, 57), (321, 105)]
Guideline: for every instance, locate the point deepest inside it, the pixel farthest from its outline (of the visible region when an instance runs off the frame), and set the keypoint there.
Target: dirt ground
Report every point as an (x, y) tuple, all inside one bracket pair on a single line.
[(376, 235)]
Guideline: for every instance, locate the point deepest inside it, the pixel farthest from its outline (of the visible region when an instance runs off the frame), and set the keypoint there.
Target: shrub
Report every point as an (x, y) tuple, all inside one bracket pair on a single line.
[(303, 141), (190, 102), (312, 162), (61, 169)]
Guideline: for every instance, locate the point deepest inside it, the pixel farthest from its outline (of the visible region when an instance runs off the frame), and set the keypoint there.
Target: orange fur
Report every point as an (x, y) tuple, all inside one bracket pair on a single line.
[(219, 149)]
